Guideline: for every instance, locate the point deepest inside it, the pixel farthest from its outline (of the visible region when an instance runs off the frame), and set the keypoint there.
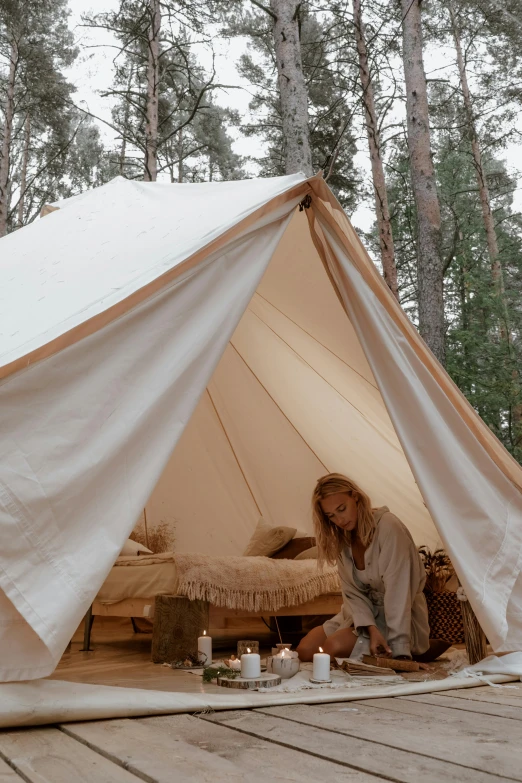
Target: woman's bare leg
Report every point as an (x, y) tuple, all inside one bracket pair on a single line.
[(310, 643), (339, 645)]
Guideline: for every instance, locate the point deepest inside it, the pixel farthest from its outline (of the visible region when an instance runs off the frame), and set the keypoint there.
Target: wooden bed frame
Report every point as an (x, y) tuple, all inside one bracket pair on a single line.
[(328, 603)]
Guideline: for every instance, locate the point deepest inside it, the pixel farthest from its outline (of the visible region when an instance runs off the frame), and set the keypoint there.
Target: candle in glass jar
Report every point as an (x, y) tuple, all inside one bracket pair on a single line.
[(205, 649), (321, 669), (250, 664)]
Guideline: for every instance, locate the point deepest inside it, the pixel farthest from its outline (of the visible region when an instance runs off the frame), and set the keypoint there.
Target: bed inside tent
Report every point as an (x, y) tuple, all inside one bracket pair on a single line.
[(299, 363)]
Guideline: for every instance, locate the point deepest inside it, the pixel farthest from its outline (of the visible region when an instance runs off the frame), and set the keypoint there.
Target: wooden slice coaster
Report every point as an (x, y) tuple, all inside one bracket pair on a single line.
[(247, 683), (320, 682)]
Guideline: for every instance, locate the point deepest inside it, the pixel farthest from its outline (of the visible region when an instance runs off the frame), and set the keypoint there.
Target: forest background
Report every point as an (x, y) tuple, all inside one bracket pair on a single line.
[(411, 109)]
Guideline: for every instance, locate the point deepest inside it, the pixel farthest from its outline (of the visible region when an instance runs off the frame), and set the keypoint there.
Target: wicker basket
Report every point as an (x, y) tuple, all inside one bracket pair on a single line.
[(445, 617)]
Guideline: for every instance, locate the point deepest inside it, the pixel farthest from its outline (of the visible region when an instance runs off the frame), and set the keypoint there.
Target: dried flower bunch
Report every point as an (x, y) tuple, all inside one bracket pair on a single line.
[(159, 539), (439, 568)]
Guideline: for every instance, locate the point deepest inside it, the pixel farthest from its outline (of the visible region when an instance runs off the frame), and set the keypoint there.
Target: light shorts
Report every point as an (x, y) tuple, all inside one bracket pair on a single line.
[(341, 620)]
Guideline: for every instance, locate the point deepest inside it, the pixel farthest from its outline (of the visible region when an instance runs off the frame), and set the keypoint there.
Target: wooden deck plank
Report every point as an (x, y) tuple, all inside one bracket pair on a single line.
[(184, 748), (7, 774), (488, 744), (316, 739), (49, 756), (511, 696), (469, 705), (442, 710)]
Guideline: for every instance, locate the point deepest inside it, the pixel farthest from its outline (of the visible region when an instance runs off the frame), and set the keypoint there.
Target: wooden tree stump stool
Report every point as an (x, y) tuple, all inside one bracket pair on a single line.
[(178, 622)]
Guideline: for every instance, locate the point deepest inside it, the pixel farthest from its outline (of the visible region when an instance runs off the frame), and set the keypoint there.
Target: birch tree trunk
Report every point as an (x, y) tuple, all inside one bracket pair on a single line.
[(151, 127), (374, 143), (487, 215), (23, 172), (430, 267), (5, 154), (292, 86)]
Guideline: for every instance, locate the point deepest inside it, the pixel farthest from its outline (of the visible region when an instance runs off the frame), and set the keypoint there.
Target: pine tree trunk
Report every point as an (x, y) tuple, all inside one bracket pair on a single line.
[(23, 172), (292, 86), (6, 141), (126, 114), (123, 153), (430, 267), (374, 143), (487, 215), (151, 127), (180, 155)]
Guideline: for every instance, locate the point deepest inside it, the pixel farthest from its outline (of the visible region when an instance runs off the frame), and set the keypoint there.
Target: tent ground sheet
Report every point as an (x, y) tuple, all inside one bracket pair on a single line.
[(118, 680)]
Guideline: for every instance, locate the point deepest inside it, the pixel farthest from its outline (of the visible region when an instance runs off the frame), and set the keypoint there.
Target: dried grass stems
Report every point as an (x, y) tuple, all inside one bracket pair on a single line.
[(439, 568), (160, 538), (475, 638)]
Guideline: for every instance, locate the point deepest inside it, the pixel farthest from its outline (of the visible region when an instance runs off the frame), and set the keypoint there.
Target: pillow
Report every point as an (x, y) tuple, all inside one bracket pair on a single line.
[(308, 554), (133, 549), (302, 534), (294, 548), (267, 540)]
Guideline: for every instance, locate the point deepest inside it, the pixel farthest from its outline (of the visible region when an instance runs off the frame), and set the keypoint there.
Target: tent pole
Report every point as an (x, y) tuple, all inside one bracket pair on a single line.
[(146, 528)]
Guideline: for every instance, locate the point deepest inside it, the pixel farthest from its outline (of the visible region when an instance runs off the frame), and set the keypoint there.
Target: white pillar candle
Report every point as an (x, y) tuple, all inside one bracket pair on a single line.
[(205, 649), (250, 665), (321, 670)]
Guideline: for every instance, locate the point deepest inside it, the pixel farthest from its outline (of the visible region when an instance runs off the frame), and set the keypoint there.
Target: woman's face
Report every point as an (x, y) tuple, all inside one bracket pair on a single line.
[(341, 509)]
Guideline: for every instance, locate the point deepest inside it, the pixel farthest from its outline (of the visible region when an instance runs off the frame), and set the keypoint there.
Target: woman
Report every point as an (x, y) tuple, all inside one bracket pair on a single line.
[(382, 576)]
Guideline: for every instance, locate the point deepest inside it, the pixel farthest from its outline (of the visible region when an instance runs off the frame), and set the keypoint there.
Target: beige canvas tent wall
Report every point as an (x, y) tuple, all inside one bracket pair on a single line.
[(208, 351)]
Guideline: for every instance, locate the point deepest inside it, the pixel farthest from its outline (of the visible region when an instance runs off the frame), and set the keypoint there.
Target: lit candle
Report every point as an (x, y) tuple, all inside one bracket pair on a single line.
[(205, 649), (234, 663), (250, 664), (321, 670)]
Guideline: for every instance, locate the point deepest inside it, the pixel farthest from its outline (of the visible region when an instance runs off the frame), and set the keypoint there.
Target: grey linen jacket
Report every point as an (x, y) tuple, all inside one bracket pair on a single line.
[(393, 600)]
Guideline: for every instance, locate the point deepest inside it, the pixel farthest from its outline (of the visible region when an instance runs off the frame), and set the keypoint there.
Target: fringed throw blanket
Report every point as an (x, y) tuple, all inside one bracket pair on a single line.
[(255, 584)]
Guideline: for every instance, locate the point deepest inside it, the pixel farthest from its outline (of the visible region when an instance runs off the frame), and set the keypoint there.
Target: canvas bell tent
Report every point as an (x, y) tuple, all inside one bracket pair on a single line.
[(207, 352)]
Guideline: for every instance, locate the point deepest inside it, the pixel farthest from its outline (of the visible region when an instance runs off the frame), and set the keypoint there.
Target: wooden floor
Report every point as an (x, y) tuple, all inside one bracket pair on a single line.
[(466, 736)]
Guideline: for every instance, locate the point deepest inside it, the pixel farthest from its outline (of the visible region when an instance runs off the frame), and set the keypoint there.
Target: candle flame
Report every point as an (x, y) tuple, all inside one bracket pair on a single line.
[(320, 649), (248, 649), (204, 633), (283, 653)]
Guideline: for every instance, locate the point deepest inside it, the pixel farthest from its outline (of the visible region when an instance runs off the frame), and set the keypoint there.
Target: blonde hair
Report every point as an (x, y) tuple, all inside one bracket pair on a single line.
[(330, 538)]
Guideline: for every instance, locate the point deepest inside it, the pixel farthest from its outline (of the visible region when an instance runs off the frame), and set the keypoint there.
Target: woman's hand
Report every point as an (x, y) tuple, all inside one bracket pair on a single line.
[(378, 644)]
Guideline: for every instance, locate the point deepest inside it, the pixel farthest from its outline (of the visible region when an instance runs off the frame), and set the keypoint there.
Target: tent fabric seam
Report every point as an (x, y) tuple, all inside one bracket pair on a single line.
[(278, 406), (233, 451), (298, 326), (298, 355)]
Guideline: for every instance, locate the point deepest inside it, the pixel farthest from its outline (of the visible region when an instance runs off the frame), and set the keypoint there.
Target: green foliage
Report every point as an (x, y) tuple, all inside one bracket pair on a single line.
[(213, 672)]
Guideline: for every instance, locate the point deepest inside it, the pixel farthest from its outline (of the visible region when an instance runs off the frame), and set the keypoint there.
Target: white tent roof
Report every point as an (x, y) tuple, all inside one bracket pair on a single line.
[(209, 351)]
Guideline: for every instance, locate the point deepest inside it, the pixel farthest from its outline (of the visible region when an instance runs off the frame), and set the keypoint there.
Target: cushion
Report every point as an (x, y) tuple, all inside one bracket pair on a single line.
[(267, 540), (302, 534), (308, 554), (294, 548), (133, 549)]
